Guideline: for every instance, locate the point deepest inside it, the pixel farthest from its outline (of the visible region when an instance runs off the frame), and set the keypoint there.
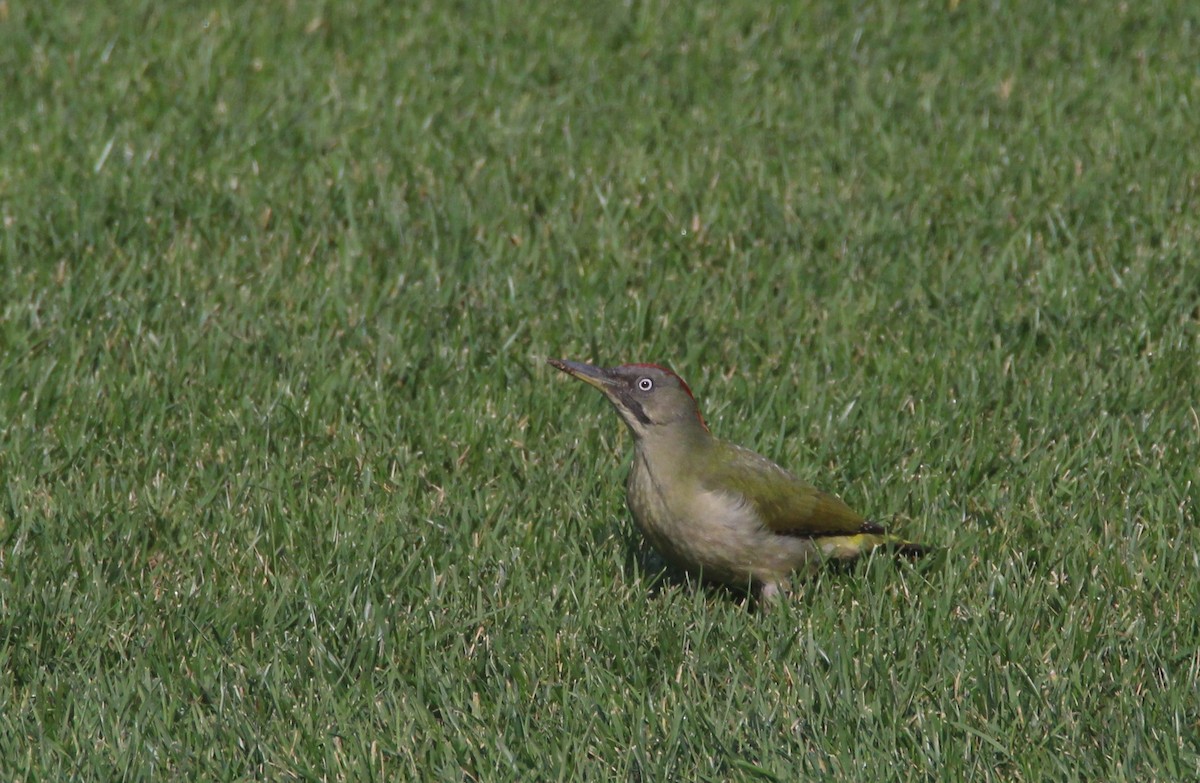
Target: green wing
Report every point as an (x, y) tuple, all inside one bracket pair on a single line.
[(787, 505)]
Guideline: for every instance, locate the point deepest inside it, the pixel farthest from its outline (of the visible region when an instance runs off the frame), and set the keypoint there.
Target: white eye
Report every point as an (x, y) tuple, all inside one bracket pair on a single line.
[(645, 384)]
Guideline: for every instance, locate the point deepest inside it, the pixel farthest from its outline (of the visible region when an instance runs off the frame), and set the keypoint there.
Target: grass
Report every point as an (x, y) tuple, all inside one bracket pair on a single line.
[(289, 492)]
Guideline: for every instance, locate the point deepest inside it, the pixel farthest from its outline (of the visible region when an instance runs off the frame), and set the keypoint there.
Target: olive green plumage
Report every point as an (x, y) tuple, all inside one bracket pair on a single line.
[(715, 509)]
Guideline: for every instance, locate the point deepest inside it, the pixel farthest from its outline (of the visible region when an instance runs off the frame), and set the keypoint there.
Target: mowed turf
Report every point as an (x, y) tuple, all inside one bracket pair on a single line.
[(288, 491)]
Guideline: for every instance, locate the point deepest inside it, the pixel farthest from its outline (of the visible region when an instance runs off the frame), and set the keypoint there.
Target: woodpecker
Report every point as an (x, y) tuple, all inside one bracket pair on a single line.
[(717, 510)]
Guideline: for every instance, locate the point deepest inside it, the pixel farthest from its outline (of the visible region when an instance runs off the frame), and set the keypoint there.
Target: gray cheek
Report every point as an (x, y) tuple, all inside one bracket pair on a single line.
[(634, 407)]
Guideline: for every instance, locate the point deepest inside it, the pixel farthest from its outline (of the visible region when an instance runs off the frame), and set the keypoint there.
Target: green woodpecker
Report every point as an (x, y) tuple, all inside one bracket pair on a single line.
[(717, 510)]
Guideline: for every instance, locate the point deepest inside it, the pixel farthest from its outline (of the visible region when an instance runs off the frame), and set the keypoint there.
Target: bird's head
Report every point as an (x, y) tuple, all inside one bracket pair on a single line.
[(648, 396)]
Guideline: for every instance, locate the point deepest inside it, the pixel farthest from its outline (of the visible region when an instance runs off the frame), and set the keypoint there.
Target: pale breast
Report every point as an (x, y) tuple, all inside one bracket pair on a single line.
[(713, 534)]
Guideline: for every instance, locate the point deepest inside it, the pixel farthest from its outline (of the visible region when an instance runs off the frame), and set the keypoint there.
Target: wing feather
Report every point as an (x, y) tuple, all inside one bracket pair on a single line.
[(786, 504)]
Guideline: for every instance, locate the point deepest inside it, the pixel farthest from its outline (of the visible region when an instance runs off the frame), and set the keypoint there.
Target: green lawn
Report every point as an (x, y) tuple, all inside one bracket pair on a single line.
[(289, 492)]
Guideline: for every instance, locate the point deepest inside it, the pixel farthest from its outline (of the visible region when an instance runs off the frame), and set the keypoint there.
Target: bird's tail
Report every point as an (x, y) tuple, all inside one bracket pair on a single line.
[(854, 546)]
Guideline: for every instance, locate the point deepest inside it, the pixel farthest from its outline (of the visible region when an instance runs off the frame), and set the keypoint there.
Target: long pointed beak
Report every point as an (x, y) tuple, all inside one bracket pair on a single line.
[(596, 376)]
